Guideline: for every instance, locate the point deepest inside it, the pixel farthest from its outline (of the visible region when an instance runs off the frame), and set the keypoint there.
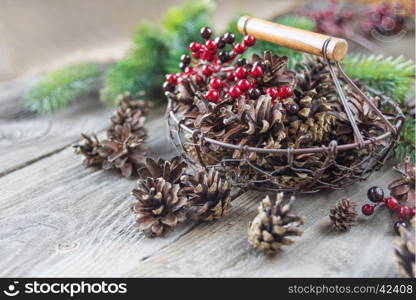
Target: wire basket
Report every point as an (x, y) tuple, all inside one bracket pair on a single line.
[(287, 173)]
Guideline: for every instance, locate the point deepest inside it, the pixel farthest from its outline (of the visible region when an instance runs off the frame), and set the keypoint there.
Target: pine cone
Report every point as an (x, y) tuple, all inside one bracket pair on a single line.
[(405, 251), (171, 170), (275, 71), (270, 229), (404, 188), (209, 194), (343, 215), (132, 112), (160, 207), (89, 149), (122, 151)]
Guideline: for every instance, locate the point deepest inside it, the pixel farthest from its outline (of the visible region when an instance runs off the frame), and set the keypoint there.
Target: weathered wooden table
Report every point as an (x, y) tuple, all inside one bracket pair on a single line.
[(60, 218)]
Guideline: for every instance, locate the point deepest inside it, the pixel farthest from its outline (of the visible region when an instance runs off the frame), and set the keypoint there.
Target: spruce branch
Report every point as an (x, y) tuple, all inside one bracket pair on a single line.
[(59, 88)]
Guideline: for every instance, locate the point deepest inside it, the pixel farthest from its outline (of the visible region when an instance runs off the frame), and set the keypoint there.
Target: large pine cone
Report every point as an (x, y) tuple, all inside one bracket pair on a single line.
[(161, 205), (209, 194), (270, 229), (343, 215), (405, 251), (123, 151), (275, 71), (170, 170), (132, 112), (89, 148)]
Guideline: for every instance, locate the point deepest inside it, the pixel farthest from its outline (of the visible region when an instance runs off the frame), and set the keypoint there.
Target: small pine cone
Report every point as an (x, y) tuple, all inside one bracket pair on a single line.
[(132, 112), (405, 251), (270, 229), (404, 188), (160, 206), (123, 151), (210, 195), (343, 215), (170, 170), (89, 148)]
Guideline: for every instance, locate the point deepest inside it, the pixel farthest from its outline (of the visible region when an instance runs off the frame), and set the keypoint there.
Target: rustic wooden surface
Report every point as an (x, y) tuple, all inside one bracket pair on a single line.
[(60, 218)]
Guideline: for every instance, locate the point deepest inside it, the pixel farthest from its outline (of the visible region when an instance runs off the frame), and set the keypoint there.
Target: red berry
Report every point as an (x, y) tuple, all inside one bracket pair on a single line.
[(198, 79), (404, 212), (212, 95), (206, 70), (194, 47), (234, 92), (189, 70), (391, 203), (367, 209), (256, 71), (230, 77), (244, 85), (285, 92), (207, 55), (249, 40), (215, 83), (211, 46), (240, 48), (196, 54), (272, 92), (171, 78), (241, 72)]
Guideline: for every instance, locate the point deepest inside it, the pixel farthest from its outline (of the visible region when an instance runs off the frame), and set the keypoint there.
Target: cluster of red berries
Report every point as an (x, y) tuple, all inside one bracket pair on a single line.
[(212, 65), (376, 195)]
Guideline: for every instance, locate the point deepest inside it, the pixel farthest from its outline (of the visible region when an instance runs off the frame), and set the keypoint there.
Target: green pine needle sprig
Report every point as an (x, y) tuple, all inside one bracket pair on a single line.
[(59, 88), (407, 143)]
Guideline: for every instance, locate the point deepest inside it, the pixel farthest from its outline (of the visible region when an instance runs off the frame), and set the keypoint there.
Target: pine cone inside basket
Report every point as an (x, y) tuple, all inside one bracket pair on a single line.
[(404, 188), (160, 207), (123, 151), (343, 215), (272, 227), (210, 194), (89, 148), (405, 251)]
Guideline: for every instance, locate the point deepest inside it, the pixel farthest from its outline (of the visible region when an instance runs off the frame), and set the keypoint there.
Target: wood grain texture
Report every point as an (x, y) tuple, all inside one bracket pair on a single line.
[(26, 137)]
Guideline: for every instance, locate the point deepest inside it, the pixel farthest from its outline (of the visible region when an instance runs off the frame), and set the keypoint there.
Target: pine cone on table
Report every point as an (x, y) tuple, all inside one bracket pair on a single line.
[(270, 229), (404, 188), (405, 250), (209, 194), (170, 170), (123, 151), (343, 215), (132, 112), (90, 149), (160, 207)]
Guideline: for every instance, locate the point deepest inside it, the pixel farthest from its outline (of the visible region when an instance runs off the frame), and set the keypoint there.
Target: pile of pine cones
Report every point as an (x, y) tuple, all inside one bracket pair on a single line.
[(261, 103), (122, 149)]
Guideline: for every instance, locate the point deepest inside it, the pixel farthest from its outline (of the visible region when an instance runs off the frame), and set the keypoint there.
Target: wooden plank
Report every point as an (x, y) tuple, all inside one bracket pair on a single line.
[(60, 218), (26, 137), (221, 248)]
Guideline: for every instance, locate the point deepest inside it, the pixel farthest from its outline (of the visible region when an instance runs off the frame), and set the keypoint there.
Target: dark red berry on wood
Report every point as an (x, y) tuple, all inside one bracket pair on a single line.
[(254, 93), (292, 108), (240, 48), (234, 92), (167, 87), (194, 47), (220, 42), (398, 224), (215, 83), (391, 203), (241, 72), (256, 71), (375, 194), (241, 62), (212, 95), (229, 38), (206, 32), (223, 56), (367, 209), (249, 40), (404, 212), (186, 59)]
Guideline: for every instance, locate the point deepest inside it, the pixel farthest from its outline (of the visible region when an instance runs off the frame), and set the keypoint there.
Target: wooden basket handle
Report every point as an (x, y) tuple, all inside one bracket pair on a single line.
[(293, 38)]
